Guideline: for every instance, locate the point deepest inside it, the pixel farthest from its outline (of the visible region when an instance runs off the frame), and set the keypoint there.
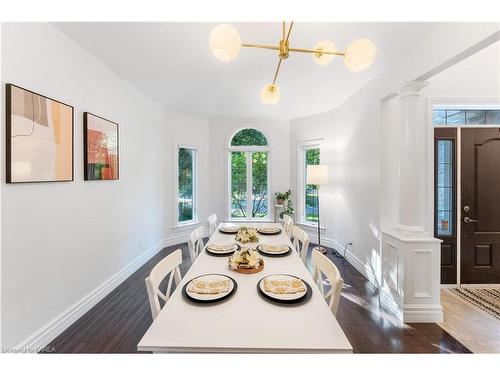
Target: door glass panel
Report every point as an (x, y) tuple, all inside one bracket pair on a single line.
[(259, 185), (475, 117), (439, 117), (444, 186), (238, 184), (493, 117), (454, 117)]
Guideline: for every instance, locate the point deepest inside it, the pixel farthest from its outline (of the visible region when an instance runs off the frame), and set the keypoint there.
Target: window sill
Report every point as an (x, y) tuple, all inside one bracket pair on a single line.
[(185, 224), (311, 225)]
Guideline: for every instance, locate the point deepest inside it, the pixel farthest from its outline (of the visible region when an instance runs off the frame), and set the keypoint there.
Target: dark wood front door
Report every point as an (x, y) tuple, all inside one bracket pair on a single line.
[(480, 206)]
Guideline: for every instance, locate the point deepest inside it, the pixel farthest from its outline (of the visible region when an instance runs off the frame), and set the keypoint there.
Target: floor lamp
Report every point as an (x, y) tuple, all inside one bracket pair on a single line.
[(317, 175)]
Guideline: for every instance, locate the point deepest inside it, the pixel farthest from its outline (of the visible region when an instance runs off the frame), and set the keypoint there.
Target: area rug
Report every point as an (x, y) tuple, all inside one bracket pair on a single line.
[(483, 298)]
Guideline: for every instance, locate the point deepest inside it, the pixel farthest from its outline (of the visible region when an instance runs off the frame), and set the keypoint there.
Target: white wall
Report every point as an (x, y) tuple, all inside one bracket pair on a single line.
[(350, 148), (60, 241), (221, 129)]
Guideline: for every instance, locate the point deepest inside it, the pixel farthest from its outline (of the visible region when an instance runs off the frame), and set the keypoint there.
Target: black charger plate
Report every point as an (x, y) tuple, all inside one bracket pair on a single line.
[(222, 298), (294, 302)]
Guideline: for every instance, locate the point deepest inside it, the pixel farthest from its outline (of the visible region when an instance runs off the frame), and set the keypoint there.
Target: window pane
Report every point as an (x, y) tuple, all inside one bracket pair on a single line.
[(249, 137), (259, 184), (186, 183), (475, 117), (493, 117), (311, 205), (455, 117), (439, 117), (444, 188), (238, 184)]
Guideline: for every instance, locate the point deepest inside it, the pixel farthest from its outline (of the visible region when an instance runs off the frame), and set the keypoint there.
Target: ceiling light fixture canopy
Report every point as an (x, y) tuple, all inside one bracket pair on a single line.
[(225, 43)]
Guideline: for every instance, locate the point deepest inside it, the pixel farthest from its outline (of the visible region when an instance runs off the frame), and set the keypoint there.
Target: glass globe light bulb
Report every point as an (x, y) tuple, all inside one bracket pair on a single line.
[(324, 58), (270, 94), (225, 42), (359, 55)]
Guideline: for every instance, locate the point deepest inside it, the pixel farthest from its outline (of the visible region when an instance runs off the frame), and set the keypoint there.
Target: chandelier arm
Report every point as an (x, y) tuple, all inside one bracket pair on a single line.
[(289, 31), (314, 51), (277, 71), (264, 46), (283, 30)]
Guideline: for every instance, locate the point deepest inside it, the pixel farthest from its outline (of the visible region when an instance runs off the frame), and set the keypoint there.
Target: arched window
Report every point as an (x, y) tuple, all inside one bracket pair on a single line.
[(248, 185)]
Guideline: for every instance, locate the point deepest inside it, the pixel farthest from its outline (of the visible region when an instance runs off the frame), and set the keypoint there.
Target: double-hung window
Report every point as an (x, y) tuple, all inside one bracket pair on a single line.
[(308, 154), (186, 184)]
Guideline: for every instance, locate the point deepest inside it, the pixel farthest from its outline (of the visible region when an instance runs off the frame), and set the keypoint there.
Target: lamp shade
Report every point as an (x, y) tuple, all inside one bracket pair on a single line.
[(270, 94), (359, 55), (225, 42), (317, 175), (324, 58)]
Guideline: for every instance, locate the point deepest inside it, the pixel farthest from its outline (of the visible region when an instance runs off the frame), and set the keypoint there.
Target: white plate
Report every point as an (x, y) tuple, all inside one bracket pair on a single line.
[(214, 251), (268, 230), (209, 297), (283, 297), (286, 249)]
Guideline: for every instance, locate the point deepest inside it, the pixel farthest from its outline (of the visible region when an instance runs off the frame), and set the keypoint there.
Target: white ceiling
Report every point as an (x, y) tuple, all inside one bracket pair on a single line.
[(172, 64), (477, 76)]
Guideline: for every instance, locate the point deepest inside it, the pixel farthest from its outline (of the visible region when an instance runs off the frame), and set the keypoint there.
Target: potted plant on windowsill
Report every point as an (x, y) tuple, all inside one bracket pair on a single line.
[(282, 197), (285, 200)]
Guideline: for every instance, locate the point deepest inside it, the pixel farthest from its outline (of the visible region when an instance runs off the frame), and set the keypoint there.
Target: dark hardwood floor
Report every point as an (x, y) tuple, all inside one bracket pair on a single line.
[(118, 322)]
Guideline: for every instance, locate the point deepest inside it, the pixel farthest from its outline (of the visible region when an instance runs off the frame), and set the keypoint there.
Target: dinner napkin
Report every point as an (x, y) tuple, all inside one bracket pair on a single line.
[(208, 287), (284, 286), (274, 248)]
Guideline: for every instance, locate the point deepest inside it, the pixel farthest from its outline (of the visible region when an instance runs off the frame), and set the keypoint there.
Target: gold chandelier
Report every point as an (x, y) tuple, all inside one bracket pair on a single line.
[(225, 43)]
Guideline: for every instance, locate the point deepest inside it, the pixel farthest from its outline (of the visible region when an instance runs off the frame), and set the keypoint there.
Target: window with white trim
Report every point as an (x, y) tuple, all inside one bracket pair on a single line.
[(186, 184), (308, 154), (248, 176)]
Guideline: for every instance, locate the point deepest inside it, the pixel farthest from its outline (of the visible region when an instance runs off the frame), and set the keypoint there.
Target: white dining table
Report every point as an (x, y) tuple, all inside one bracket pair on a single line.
[(246, 322)]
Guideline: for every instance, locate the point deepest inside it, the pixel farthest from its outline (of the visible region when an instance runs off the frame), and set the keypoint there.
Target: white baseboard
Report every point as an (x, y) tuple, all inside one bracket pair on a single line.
[(388, 302), (422, 313), (56, 326), (352, 259)]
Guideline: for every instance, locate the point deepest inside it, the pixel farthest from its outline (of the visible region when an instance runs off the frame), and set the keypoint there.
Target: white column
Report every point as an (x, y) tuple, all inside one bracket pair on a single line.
[(412, 149), (410, 255)]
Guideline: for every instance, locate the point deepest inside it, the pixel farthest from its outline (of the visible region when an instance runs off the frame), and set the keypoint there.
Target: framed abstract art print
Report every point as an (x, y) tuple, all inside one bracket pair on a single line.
[(101, 158), (39, 137)]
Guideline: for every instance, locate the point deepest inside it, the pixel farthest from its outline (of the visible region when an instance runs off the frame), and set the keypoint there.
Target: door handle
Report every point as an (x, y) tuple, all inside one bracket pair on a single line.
[(468, 220)]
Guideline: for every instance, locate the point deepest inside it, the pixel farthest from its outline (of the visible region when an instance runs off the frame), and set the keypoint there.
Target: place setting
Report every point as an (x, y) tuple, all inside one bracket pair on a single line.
[(284, 289), (229, 229), (209, 288), (269, 231), (269, 250), (223, 250)]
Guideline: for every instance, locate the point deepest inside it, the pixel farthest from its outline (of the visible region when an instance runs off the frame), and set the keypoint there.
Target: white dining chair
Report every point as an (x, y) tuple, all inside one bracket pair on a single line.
[(300, 241), (167, 266), (212, 224), (288, 224), (195, 243), (324, 266)]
